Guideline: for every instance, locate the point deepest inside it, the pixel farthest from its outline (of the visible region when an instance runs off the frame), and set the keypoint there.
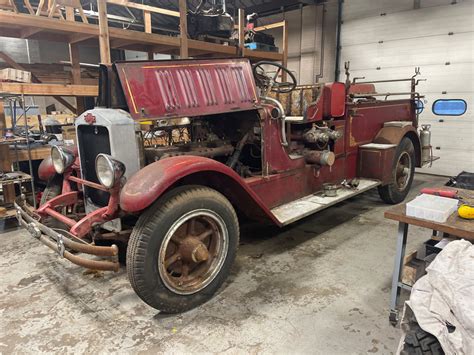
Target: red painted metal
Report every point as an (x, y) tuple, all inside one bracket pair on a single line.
[(87, 183), (84, 226), (164, 89), (90, 118), (65, 199), (376, 164), (362, 89), (46, 169), (334, 97), (144, 187), (440, 192)]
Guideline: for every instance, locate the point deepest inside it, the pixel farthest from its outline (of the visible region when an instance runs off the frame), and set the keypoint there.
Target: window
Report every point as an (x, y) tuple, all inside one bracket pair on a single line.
[(449, 107)]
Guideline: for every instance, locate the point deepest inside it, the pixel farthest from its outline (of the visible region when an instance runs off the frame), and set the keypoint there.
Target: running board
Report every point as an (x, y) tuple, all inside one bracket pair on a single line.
[(305, 206)]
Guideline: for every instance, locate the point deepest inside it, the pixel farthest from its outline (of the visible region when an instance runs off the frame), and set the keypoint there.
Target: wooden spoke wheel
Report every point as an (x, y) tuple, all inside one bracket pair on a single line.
[(403, 170), (182, 248), (193, 251)]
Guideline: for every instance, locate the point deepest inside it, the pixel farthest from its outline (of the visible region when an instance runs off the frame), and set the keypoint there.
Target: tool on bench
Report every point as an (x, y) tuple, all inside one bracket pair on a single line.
[(466, 211), (440, 192)]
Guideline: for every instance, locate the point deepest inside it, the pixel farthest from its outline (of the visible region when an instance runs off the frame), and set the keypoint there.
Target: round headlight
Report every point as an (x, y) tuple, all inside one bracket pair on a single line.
[(61, 158), (108, 170)]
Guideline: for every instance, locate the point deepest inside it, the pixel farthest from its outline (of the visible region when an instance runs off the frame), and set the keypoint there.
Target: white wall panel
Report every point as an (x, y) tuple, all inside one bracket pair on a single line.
[(419, 38), (420, 23)]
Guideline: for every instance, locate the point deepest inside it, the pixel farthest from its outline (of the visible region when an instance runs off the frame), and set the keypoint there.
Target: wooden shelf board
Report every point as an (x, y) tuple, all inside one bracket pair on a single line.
[(48, 89), (16, 25)]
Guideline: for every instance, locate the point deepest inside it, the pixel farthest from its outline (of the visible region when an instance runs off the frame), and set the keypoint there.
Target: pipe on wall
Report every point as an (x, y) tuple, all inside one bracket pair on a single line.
[(322, 45), (338, 39)]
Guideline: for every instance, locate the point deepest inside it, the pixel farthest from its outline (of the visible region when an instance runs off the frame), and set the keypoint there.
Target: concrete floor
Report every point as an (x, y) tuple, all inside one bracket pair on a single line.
[(320, 286)]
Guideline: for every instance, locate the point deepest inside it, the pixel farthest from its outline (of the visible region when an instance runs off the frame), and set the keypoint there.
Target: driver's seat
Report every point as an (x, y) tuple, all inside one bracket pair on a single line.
[(297, 101)]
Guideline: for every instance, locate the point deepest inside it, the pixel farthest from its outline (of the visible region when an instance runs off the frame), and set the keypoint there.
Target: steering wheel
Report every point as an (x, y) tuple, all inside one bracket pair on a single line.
[(270, 82)]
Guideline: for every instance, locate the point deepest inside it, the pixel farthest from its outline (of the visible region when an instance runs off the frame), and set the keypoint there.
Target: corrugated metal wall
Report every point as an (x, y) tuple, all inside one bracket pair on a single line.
[(388, 39)]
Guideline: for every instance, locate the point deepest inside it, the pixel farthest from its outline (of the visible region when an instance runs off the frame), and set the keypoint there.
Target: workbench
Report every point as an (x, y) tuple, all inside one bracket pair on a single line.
[(455, 226)]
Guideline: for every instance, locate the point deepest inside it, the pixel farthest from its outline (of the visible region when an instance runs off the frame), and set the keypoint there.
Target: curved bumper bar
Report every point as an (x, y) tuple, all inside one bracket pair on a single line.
[(58, 242)]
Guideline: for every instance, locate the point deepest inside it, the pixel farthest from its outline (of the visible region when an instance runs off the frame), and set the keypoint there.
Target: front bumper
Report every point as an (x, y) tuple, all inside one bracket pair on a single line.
[(62, 244)]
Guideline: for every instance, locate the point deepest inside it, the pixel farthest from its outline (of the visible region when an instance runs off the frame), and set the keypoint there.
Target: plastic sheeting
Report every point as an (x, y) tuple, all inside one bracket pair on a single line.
[(443, 300)]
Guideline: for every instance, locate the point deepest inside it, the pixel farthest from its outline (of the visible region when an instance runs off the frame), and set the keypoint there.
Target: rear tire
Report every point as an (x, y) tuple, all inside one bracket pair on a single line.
[(403, 170), (419, 342), (182, 248)]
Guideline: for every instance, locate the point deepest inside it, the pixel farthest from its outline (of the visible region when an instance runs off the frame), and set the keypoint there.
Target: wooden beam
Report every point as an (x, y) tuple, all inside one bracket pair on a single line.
[(49, 89), (104, 44), (211, 47), (11, 25), (133, 5), (183, 30), (80, 37), (270, 26), (70, 13), (241, 31), (284, 60), (5, 161), (261, 55), (119, 43), (29, 7), (76, 74), (30, 31), (147, 21)]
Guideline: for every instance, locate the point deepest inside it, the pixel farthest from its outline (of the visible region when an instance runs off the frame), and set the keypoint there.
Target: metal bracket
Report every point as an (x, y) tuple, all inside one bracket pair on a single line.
[(33, 230), (60, 244), (393, 317), (19, 218)]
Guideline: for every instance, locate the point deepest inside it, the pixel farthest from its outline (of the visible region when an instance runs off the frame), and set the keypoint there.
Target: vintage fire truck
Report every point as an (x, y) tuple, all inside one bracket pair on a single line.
[(176, 153)]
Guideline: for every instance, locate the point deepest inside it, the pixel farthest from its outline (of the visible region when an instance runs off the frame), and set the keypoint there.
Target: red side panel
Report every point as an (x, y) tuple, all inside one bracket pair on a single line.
[(334, 97), (362, 89), (149, 183), (179, 88)]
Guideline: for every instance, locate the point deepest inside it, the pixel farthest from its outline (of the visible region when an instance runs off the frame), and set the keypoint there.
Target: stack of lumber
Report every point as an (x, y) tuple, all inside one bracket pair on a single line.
[(57, 73)]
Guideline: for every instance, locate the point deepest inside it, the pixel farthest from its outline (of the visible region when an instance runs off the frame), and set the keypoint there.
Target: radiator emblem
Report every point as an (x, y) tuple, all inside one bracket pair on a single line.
[(89, 118)]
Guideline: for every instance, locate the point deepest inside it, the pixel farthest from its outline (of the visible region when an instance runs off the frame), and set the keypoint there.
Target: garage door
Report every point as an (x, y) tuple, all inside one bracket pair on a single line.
[(387, 39)]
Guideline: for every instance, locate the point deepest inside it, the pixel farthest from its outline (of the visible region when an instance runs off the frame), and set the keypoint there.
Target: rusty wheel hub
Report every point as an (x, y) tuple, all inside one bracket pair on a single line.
[(403, 171), (193, 251)]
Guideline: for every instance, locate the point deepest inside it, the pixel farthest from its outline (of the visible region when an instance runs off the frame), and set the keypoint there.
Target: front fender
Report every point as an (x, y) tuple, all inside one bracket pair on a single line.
[(148, 184)]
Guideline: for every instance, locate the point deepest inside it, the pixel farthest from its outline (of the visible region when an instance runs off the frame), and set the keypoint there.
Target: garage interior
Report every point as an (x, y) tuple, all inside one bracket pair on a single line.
[(325, 262)]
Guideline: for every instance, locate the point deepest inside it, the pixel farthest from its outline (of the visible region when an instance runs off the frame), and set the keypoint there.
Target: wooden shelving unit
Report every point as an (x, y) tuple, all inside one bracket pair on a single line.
[(55, 20)]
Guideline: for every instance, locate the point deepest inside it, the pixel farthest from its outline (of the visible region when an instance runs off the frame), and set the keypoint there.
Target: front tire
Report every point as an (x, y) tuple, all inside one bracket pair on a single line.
[(182, 248), (403, 170), (53, 188)]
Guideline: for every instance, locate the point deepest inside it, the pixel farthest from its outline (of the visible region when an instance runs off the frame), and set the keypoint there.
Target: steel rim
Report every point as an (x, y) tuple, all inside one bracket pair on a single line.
[(193, 251), (403, 171)]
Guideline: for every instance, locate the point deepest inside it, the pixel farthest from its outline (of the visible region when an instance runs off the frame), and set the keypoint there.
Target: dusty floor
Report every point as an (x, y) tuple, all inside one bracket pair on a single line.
[(320, 286)]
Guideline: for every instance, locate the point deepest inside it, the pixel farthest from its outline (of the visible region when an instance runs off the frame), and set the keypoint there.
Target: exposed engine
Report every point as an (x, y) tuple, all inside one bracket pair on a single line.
[(234, 142)]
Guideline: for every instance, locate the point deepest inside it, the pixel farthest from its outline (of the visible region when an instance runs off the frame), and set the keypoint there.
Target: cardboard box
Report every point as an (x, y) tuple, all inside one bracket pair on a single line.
[(10, 74), (69, 134)]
